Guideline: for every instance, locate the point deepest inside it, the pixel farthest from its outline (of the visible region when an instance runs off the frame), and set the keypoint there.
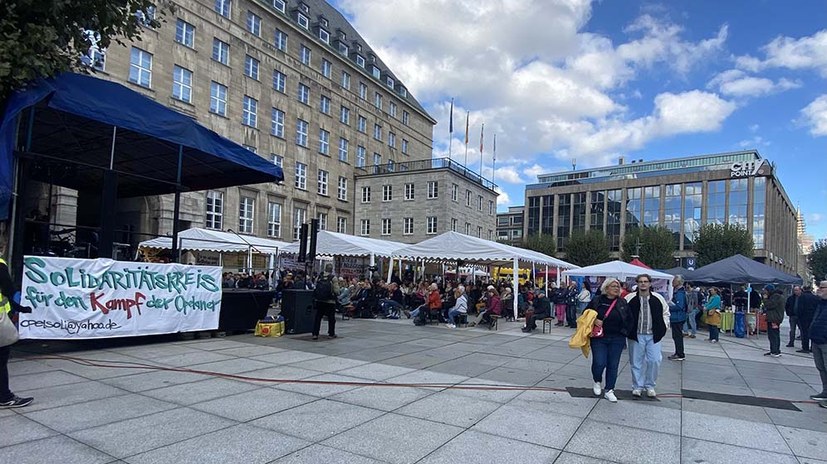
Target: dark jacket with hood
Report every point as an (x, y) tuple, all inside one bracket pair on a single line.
[(775, 307), (818, 328)]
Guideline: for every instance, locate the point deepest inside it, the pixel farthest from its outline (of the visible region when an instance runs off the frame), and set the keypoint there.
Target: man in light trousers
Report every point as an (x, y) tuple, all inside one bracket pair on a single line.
[(650, 312)]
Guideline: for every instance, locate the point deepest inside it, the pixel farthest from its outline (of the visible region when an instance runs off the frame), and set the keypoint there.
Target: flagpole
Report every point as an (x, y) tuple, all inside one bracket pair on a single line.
[(451, 130), (482, 139), (467, 114), (494, 163)]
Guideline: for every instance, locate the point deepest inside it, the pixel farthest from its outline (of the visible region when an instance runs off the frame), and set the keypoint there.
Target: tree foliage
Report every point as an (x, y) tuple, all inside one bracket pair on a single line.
[(657, 246), (44, 38), (587, 248), (817, 260), (545, 244), (715, 242)]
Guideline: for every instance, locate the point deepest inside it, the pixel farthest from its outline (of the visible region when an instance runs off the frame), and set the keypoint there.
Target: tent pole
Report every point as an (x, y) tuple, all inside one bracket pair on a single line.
[(400, 269), (515, 282), (372, 263), (390, 268), (546, 279), (177, 207), (14, 220), (533, 273), (558, 276)]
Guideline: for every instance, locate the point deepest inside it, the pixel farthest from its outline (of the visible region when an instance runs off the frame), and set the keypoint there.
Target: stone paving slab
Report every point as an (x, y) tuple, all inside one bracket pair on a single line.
[(54, 449), (187, 417)]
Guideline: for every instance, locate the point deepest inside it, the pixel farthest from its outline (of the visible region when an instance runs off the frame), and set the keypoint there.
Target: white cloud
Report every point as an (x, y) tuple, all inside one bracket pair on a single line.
[(815, 217), (534, 170), (535, 78), (754, 142), (503, 199), (508, 174), (815, 116), (786, 52), (736, 83)]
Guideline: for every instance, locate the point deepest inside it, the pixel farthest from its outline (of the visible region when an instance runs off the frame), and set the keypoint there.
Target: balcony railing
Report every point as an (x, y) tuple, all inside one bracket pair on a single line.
[(427, 165)]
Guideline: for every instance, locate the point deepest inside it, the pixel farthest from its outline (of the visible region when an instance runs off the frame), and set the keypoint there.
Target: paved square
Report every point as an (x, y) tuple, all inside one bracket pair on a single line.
[(450, 400)]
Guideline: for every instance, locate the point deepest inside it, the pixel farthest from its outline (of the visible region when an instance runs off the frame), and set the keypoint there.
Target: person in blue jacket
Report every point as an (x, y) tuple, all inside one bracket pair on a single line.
[(677, 317)]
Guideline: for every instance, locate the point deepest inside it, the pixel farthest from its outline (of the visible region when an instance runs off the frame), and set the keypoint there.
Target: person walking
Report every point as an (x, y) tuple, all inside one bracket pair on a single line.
[(774, 306), (806, 311), (791, 309), (677, 317), (324, 296), (8, 306), (614, 322), (650, 314), (713, 314), (818, 337), (571, 305), (690, 327)]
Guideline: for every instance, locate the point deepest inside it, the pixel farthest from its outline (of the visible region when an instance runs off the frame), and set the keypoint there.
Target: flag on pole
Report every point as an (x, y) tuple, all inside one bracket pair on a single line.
[(467, 114), (482, 137), (451, 119)]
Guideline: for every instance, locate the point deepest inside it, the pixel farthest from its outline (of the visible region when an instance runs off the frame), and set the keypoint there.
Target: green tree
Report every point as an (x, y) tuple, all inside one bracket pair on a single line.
[(714, 242), (657, 246), (44, 38), (587, 248), (817, 260), (545, 244)]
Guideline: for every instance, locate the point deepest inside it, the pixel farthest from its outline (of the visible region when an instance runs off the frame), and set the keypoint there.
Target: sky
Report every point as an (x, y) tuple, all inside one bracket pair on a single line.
[(563, 80)]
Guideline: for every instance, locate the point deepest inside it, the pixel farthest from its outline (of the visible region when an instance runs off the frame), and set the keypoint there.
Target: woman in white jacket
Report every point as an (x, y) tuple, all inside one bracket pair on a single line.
[(584, 297), (460, 307)]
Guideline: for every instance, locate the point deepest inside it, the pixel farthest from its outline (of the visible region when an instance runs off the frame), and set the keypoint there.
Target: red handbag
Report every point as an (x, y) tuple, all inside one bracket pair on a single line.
[(597, 330)]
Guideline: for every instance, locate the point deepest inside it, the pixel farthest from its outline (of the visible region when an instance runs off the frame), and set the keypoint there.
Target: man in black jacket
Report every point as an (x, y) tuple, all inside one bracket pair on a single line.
[(818, 335), (774, 306), (806, 310), (791, 308), (650, 313)]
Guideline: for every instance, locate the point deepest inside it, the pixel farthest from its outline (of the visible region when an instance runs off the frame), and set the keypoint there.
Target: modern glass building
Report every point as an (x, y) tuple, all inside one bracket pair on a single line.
[(680, 194)]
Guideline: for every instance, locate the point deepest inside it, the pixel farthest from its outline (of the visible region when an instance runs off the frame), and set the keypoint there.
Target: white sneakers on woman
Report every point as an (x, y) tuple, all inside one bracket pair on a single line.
[(597, 389), (610, 395)]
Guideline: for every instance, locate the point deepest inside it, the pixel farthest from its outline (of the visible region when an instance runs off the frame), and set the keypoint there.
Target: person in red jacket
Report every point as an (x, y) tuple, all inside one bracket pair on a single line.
[(492, 306)]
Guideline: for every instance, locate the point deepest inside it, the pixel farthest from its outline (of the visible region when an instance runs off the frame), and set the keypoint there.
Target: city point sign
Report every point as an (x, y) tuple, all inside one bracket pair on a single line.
[(759, 167)]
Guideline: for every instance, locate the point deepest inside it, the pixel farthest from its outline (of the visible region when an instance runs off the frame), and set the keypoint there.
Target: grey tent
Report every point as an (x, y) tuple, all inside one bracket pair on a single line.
[(676, 271), (739, 269)]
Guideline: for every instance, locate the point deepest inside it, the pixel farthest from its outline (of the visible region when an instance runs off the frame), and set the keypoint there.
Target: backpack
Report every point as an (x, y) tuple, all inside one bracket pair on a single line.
[(324, 289)]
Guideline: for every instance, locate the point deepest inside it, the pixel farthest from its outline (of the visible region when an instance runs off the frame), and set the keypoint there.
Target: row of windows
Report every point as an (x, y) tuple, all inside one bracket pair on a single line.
[(247, 220), (410, 192), (253, 24), (431, 227), (322, 178)]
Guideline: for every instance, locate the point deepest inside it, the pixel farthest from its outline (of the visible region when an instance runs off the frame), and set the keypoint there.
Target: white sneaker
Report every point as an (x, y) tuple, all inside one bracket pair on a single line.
[(610, 395), (597, 389), (636, 392), (650, 392), (451, 326)]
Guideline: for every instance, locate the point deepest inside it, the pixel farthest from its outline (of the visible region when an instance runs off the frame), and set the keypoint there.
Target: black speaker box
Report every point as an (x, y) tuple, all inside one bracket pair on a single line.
[(298, 311)]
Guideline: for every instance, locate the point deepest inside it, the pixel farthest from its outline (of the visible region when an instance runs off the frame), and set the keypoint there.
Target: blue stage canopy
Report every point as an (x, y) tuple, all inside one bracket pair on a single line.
[(71, 133)]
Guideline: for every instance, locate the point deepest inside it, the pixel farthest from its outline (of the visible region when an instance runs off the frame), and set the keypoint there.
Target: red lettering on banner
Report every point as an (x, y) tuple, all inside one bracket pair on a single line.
[(117, 304)]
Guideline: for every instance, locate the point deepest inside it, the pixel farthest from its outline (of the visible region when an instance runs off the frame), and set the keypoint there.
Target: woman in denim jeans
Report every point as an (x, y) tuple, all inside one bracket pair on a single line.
[(617, 325)]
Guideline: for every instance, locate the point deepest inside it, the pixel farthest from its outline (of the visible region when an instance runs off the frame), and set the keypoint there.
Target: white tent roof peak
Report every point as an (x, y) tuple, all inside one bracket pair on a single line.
[(337, 244), (620, 269), (216, 240), (453, 246)]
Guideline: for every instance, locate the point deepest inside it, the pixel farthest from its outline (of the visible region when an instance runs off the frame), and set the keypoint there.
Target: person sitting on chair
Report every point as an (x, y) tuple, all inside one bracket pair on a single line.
[(393, 306), (542, 310), (461, 307), (492, 306)]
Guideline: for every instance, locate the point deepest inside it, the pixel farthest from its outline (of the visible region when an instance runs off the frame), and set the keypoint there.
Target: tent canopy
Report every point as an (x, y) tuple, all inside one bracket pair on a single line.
[(71, 125), (453, 246), (330, 244), (639, 263), (618, 269), (677, 271), (215, 240), (739, 269)]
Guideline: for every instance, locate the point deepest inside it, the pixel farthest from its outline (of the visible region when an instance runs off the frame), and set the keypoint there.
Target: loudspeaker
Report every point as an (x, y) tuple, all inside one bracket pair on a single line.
[(302, 243), (298, 311), (314, 231)]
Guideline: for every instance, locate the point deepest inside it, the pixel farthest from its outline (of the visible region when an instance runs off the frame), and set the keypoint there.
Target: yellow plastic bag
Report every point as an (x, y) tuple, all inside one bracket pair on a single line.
[(269, 329)]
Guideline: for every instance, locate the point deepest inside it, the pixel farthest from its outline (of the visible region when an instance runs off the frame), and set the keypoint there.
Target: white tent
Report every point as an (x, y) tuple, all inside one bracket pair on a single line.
[(621, 270), (453, 246), (197, 239), (331, 244)]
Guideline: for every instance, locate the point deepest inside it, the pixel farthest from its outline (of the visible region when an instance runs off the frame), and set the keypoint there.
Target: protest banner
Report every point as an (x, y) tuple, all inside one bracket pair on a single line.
[(99, 298)]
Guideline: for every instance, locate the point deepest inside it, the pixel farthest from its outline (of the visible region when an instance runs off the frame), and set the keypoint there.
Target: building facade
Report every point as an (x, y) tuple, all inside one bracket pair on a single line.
[(291, 81), (510, 225), (680, 194), (416, 200)]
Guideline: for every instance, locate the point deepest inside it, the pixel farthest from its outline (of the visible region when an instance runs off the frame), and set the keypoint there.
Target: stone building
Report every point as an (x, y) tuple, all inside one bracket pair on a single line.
[(681, 194), (415, 200), (292, 81)]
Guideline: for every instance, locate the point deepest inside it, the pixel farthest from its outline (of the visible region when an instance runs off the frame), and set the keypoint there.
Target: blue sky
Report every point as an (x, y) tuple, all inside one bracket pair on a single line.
[(557, 80)]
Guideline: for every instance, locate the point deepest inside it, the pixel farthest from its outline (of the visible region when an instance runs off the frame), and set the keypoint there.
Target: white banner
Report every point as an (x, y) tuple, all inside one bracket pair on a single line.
[(94, 298)]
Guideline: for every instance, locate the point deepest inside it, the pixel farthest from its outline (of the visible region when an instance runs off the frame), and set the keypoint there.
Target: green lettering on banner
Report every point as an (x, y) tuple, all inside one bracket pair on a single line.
[(71, 282), (35, 297), (32, 265)]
